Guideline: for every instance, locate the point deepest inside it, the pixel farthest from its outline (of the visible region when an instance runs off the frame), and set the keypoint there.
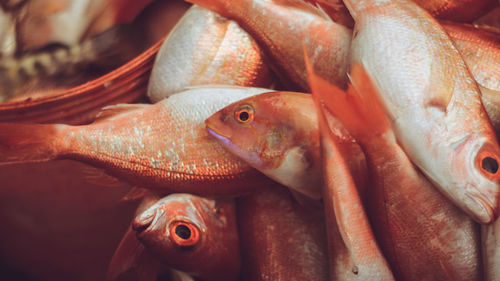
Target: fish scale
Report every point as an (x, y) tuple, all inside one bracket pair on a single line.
[(162, 146)]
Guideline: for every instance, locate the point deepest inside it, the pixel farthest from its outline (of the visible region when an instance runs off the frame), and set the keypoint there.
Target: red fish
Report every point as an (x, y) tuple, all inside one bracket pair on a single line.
[(433, 102), (281, 239), (162, 146), (280, 27), (422, 234), (192, 234)]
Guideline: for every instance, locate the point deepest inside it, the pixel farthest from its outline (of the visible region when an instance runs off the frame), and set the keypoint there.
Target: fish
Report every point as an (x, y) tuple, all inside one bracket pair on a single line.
[(280, 238), (420, 232), (46, 22), (279, 27), (192, 234), (433, 103), (276, 133), (490, 242), (459, 11), (353, 252), (164, 146), (62, 66), (480, 50), (205, 48)]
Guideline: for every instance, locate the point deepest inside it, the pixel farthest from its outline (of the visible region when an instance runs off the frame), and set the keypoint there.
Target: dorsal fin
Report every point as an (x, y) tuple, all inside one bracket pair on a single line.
[(113, 111)]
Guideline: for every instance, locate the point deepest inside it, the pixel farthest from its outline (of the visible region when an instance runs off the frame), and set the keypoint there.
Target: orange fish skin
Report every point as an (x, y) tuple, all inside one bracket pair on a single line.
[(280, 238), (463, 11), (433, 102), (422, 234), (305, 26), (192, 234), (481, 52), (280, 138), (163, 146), (205, 48)]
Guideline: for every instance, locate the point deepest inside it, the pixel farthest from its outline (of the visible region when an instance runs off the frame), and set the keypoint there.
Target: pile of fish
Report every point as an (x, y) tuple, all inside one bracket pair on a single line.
[(304, 140)]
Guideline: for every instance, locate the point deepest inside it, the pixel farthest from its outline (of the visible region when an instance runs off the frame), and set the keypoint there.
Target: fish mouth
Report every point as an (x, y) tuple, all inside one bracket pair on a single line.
[(214, 132), (482, 209), (142, 223)]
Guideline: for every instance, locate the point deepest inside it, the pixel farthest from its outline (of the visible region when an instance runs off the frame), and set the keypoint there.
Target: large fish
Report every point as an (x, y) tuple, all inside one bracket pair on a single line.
[(192, 234), (281, 27), (205, 48), (422, 234), (276, 133), (162, 146), (433, 102), (481, 52), (281, 240)]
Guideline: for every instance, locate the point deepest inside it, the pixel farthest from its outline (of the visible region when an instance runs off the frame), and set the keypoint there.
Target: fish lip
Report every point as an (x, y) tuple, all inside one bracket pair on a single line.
[(141, 224), (487, 214), (213, 131)]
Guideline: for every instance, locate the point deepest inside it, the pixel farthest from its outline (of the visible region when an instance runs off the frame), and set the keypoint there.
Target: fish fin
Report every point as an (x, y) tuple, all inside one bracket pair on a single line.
[(113, 111), (359, 109), (126, 256), (135, 193), (25, 143), (97, 176)]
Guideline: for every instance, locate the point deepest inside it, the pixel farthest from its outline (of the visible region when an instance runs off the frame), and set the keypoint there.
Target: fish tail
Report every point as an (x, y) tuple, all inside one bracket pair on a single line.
[(358, 109), (26, 143)]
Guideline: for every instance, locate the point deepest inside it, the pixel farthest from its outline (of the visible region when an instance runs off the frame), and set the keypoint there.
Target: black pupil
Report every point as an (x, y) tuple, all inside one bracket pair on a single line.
[(244, 116), (183, 231), (490, 165)]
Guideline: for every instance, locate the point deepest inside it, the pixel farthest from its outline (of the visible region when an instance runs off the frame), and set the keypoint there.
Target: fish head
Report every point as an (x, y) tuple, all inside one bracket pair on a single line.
[(276, 133), (477, 160), (192, 234)]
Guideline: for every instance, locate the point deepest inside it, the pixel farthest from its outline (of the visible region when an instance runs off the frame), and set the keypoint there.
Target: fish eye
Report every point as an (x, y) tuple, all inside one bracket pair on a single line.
[(244, 114), (184, 234), (488, 165)]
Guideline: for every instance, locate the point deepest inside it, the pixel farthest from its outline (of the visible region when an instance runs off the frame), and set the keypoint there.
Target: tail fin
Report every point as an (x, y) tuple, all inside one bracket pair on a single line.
[(359, 109), (24, 143)]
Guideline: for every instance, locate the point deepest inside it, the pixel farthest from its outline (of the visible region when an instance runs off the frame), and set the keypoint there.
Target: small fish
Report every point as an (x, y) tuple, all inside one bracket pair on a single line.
[(280, 27), (421, 233), (276, 133), (162, 146), (454, 10), (433, 102), (205, 48), (281, 240), (192, 234), (481, 52)]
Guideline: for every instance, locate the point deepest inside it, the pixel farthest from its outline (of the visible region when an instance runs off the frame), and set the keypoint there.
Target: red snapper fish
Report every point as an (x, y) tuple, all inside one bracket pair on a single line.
[(276, 133), (422, 234), (481, 52), (280, 238), (432, 101), (280, 27), (162, 146), (463, 10), (205, 48), (192, 234)]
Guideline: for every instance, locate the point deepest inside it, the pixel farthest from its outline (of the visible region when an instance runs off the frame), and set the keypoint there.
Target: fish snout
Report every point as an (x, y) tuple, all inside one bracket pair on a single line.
[(483, 209), (143, 222)]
